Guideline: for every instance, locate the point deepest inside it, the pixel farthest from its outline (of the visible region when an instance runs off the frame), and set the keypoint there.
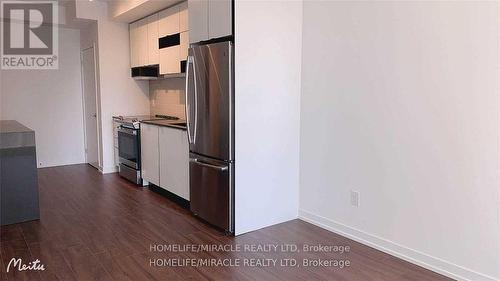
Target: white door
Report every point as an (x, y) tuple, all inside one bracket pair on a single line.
[(90, 107)]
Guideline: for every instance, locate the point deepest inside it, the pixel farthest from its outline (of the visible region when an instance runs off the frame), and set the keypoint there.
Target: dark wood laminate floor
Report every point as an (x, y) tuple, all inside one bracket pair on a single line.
[(96, 227)]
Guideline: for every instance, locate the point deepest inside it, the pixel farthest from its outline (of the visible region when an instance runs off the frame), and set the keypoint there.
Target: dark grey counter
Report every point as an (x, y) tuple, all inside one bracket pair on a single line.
[(14, 134), (176, 124), (18, 173)]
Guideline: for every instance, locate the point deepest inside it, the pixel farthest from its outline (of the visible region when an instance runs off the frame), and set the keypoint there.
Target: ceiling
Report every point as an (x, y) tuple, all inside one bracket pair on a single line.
[(132, 10)]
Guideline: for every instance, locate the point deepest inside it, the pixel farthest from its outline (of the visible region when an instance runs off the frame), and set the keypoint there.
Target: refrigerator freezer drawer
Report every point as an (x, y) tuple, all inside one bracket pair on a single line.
[(211, 191)]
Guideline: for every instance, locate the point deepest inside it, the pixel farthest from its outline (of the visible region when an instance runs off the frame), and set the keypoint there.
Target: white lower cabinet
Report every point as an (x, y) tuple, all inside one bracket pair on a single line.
[(165, 158), (150, 164), (174, 161)]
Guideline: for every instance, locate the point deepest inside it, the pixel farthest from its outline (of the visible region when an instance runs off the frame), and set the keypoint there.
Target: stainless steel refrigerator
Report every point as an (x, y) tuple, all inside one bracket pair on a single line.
[(210, 123)]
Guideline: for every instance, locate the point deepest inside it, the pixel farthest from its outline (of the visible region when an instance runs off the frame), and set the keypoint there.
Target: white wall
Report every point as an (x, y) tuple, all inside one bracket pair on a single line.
[(49, 102), (267, 106), (119, 93), (400, 101), (168, 97)]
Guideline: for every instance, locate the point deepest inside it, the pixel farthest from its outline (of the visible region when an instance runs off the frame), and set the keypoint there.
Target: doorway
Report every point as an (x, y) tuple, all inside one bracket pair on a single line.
[(89, 89)]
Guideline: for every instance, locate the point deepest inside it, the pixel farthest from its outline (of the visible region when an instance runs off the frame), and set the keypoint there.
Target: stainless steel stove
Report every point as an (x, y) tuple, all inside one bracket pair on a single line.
[(134, 121), (129, 144)]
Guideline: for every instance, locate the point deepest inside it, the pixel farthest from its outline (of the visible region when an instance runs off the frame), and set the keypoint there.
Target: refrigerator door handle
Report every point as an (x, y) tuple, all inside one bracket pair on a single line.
[(197, 161), (189, 59), (195, 99)]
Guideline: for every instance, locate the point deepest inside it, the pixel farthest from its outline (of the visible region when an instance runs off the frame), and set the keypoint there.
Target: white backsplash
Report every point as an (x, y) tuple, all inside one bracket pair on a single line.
[(167, 97)]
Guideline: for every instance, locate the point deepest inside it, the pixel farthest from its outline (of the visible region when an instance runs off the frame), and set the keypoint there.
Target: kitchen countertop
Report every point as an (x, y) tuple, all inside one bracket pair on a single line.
[(167, 123), (12, 126), (15, 135), (138, 117)]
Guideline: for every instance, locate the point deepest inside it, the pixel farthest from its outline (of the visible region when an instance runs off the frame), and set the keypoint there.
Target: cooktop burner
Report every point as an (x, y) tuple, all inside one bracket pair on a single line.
[(168, 117)]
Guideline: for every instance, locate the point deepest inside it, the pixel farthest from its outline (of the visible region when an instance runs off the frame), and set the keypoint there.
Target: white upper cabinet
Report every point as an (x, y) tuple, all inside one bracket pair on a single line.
[(138, 50), (183, 17), (142, 38), (143, 51), (134, 51), (145, 40), (209, 19), (169, 21), (219, 19), (198, 20), (170, 62), (184, 45), (153, 50)]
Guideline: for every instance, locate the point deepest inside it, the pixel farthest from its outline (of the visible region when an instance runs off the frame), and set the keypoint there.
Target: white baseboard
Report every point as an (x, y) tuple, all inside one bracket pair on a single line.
[(50, 165), (108, 170), (426, 261)]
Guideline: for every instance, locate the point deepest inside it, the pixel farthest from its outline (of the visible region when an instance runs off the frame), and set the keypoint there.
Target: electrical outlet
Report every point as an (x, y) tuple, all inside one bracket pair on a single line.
[(355, 198)]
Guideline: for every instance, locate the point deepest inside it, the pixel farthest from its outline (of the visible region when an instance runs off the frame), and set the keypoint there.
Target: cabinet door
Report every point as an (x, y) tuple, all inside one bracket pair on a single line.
[(153, 50), (219, 18), (198, 20), (169, 60), (117, 157), (149, 154), (174, 161), (115, 142), (183, 17), (168, 21), (142, 42), (184, 45), (134, 52)]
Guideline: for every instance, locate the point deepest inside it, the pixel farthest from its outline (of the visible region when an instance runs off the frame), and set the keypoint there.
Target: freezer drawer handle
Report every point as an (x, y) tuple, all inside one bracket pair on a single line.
[(197, 161)]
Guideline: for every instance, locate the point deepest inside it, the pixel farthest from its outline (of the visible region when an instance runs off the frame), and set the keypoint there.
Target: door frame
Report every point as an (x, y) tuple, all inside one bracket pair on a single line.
[(98, 114)]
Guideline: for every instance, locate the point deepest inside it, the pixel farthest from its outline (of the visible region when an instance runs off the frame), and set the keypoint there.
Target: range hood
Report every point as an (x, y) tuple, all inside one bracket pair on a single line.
[(150, 72)]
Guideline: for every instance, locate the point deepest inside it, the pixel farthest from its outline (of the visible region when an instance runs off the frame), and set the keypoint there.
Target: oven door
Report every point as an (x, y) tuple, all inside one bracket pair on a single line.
[(129, 147)]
